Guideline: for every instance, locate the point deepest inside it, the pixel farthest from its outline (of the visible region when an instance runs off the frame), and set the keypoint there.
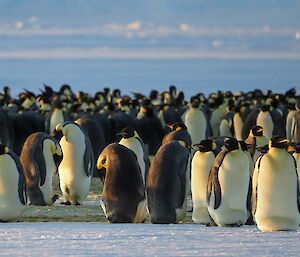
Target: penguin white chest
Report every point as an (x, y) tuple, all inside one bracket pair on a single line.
[(46, 188), (134, 145), (196, 124), (56, 118), (264, 120), (74, 182), (10, 205)]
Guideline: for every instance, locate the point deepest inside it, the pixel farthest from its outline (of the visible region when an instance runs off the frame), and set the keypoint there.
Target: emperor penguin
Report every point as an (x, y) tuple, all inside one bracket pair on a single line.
[(178, 132), (132, 141), (228, 186), (257, 142), (195, 121), (76, 168), (123, 196), (167, 183), (56, 116), (201, 165), (13, 198), (40, 157), (291, 105), (275, 195)]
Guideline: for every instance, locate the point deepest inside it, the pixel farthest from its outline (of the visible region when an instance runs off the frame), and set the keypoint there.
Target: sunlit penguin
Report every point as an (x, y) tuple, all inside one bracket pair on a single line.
[(257, 141), (131, 140), (123, 196), (275, 195), (40, 158), (167, 181), (201, 166), (228, 186), (76, 168), (12, 186), (195, 122), (289, 119)]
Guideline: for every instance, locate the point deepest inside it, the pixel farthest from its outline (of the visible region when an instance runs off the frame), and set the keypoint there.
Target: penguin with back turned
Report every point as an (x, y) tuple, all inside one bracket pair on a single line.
[(13, 197), (228, 188), (40, 157), (123, 196), (167, 183), (275, 194)]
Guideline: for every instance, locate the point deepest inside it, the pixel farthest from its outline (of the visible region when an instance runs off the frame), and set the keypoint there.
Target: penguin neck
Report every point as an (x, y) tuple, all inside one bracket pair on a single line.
[(276, 152)]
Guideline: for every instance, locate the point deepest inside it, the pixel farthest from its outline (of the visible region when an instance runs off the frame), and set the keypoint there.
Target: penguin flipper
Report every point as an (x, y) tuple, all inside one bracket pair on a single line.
[(88, 158), (39, 155), (214, 176), (21, 182)]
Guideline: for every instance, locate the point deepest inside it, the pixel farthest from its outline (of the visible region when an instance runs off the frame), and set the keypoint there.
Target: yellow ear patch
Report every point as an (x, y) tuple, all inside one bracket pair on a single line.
[(58, 127), (101, 163), (182, 143), (6, 149), (214, 145)]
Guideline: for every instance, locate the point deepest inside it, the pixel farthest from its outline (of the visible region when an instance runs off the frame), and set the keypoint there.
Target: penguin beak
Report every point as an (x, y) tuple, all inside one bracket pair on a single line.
[(283, 141), (57, 134)]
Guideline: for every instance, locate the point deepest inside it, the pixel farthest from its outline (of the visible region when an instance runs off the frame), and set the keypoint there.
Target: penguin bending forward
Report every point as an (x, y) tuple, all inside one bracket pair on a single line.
[(123, 197), (167, 181), (40, 157), (76, 168), (12, 186), (228, 189), (276, 198)]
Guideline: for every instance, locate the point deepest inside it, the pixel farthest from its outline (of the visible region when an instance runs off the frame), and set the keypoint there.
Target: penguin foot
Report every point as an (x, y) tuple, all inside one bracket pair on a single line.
[(234, 225), (54, 198), (66, 203), (190, 210), (77, 203)]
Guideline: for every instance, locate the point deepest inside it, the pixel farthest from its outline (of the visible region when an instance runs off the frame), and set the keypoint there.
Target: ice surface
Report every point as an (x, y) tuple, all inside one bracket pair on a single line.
[(98, 239)]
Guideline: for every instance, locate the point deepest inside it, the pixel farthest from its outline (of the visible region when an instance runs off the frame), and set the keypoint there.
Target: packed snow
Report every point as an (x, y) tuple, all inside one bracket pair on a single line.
[(95, 239)]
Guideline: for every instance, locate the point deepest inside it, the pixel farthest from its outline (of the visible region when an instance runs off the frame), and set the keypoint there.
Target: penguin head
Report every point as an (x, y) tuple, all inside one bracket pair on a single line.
[(195, 103), (243, 145), (265, 108), (102, 166), (3, 149), (257, 131), (177, 126), (231, 144), (206, 145), (128, 132), (279, 142)]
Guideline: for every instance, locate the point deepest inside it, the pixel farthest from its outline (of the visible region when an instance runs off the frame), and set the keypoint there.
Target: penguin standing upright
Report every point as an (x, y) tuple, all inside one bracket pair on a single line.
[(195, 122), (39, 159), (131, 140), (76, 168), (123, 197), (166, 183), (56, 116), (228, 186), (12, 185), (275, 195), (201, 166), (257, 142)]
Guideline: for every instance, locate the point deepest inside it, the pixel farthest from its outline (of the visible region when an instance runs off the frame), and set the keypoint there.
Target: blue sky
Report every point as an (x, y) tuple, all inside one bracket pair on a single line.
[(150, 29)]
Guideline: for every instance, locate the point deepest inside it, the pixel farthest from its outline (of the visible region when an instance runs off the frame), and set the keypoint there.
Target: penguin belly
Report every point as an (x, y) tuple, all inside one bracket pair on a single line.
[(74, 183), (234, 181), (264, 120), (56, 118), (201, 166), (10, 205), (135, 146), (47, 187), (196, 125), (276, 194), (238, 126)]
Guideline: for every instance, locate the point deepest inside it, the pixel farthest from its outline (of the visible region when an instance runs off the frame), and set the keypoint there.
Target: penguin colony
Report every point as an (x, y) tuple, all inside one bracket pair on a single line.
[(236, 154)]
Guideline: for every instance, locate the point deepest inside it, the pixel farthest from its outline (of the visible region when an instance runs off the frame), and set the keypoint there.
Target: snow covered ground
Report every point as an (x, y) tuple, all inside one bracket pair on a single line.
[(95, 239)]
